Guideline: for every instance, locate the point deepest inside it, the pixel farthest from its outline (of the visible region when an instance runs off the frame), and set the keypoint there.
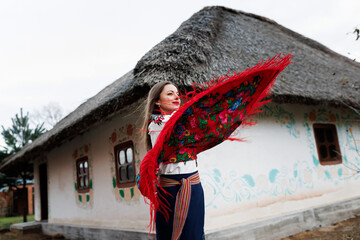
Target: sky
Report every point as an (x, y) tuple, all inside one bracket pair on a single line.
[(65, 51)]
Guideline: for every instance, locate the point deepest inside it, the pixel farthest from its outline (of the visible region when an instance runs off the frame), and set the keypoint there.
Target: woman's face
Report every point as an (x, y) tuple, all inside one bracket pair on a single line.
[(169, 99)]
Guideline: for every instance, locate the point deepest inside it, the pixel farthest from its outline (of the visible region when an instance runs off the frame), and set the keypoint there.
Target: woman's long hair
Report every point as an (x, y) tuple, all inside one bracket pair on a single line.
[(152, 108)]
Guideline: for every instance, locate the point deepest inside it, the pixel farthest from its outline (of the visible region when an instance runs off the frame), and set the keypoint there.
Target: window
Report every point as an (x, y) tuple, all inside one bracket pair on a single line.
[(327, 144), (125, 164), (82, 174)]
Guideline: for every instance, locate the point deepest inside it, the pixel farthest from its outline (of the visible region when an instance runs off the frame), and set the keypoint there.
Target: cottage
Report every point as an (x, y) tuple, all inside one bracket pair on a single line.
[(297, 170)]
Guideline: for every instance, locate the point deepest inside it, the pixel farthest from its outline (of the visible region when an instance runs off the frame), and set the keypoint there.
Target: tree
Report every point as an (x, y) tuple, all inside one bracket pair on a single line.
[(16, 137), (4, 154), (20, 133)]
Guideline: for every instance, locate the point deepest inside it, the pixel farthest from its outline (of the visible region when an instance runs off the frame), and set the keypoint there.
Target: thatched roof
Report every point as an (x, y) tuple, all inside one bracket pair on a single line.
[(212, 42)]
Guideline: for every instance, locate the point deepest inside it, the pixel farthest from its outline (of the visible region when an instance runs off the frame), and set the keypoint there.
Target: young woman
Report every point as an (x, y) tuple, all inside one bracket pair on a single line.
[(168, 177), (184, 210)]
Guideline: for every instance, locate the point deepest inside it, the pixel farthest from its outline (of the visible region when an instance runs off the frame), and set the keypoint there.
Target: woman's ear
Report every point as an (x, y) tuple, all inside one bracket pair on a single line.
[(157, 102)]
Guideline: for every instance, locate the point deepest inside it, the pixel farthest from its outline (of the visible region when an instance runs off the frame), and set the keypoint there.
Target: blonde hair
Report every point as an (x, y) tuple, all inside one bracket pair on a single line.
[(152, 108)]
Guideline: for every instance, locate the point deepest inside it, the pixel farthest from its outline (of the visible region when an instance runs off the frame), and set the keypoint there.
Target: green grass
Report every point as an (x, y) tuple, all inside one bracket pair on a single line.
[(7, 221)]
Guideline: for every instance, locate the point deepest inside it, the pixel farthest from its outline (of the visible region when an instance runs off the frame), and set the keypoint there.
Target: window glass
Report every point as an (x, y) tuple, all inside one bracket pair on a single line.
[(122, 157), (129, 154), (125, 165), (327, 144), (82, 173)]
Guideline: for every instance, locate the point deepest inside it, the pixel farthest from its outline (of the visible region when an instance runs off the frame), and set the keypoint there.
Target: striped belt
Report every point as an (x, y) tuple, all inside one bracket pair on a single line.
[(182, 200)]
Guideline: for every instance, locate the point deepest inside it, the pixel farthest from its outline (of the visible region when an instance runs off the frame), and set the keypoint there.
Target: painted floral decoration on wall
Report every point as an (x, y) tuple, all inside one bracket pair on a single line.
[(118, 136), (83, 198)]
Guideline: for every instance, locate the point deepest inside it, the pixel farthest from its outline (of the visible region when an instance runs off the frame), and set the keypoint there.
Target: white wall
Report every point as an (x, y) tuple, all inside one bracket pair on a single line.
[(274, 172), (106, 207)]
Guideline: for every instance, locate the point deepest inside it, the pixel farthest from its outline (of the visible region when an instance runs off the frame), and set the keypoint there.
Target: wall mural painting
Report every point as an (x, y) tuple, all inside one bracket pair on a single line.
[(349, 169), (123, 134), (352, 142), (283, 118), (236, 187), (284, 182), (83, 199)]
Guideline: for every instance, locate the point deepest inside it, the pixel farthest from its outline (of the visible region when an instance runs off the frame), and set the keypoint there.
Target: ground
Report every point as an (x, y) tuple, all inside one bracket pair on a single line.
[(346, 230), (6, 235)]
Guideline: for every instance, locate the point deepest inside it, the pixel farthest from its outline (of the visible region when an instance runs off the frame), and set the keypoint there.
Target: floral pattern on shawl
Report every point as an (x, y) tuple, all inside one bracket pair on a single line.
[(212, 119)]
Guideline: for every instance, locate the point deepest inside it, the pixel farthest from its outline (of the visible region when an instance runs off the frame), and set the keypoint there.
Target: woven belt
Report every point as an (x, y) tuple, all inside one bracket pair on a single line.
[(182, 200)]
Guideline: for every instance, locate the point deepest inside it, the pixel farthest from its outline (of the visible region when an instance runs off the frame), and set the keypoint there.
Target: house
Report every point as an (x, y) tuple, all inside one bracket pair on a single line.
[(297, 170)]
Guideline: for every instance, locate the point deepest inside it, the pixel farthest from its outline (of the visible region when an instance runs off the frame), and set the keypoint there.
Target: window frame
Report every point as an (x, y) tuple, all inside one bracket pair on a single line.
[(329, 160), (80, 175), (117, 149)]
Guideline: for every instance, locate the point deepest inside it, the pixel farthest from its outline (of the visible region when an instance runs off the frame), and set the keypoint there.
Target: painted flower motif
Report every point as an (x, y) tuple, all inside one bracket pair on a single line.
[(187, 133), (312, 116), (129, 130), (75, 154), (307, 176), (332, 117), (113, 137), (172, 160), (86, 148)]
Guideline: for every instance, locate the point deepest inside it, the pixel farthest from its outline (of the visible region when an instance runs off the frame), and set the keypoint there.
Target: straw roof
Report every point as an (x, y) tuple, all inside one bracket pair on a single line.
[(215, 41)]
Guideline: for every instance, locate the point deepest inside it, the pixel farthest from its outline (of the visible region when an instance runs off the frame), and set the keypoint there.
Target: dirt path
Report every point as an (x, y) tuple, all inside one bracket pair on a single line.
[(346, 230), (28, 236)]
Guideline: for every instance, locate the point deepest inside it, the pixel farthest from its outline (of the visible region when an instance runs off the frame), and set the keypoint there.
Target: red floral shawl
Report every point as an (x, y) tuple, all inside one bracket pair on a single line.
[(207, 118)]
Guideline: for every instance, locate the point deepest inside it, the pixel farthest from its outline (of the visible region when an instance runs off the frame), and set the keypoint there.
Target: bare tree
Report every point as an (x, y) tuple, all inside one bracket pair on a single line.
[(49, 114)]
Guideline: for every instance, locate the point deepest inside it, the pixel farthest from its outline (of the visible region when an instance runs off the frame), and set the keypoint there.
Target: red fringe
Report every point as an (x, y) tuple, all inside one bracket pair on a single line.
[(148, 182)]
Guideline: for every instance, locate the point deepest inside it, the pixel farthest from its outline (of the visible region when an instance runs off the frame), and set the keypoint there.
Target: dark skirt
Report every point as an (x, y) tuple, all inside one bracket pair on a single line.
[(194, 224)]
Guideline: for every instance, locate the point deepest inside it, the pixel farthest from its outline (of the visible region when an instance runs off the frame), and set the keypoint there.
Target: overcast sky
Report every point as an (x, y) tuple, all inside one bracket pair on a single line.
[(66, 51)]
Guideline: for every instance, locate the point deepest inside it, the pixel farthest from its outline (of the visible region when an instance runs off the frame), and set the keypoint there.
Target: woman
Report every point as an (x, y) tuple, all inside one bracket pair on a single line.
[(210, 115), (176, 175)]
